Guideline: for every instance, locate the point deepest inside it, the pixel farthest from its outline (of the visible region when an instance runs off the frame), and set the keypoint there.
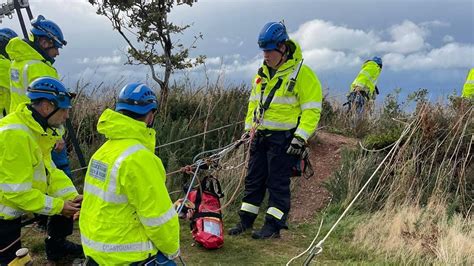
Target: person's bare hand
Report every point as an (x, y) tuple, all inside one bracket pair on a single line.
[(76, 215), (78, 199), (70, 208), (59, 145)]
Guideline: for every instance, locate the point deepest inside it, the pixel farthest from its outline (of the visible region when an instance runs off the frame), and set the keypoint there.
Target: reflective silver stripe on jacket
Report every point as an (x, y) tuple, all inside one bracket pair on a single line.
[(248, 126), (10, 211), (16, 126), (25, 74), (276, 99), (470, 82), (157, 221), (302, 133), (278, 125), (110, 194), (110, 248), (105, 195), (18, 90), (64, 191), (20, 187), (172, 256), (367, 75), (311, 105), (39, 174), (114, 172), (48, 206)]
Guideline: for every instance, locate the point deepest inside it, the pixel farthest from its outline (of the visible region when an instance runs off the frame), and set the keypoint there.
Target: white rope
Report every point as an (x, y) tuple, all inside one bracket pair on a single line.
[(310, 247), (320, 243), (179, 140), (197, 135), (382, 149)]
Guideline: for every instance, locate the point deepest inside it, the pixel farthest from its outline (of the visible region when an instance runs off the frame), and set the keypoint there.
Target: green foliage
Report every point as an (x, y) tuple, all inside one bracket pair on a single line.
[(147, 22), (431, 164), (356, 168), (190, 112)]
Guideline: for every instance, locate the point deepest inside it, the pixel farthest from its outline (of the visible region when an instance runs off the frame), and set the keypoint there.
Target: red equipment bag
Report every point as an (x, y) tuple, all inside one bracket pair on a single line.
[(207, 227)]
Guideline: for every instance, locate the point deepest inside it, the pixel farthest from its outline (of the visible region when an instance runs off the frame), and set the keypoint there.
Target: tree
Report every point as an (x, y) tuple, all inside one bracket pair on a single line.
[(147, 21)]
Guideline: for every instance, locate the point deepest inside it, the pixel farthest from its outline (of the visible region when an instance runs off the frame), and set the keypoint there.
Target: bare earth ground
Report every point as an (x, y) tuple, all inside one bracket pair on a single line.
[(310, 196)]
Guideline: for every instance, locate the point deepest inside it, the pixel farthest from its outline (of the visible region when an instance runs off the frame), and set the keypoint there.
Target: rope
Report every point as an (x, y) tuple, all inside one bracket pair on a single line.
[(197, 135), (318, 246), (312, 242), (16, 240), (382, 149), (177, 141)]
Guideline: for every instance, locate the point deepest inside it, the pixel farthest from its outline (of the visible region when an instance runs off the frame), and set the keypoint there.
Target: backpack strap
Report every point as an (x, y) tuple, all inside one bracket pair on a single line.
[(206, 214)]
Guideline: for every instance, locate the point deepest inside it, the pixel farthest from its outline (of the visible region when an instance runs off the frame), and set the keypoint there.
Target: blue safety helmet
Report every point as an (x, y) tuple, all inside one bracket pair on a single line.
[(50, 89), (377, 60), (46, 28), (137, 98), (6, 35), (271, 35)]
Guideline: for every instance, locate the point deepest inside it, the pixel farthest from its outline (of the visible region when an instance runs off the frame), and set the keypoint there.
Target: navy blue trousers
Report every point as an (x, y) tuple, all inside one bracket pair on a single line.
[(270, 168)]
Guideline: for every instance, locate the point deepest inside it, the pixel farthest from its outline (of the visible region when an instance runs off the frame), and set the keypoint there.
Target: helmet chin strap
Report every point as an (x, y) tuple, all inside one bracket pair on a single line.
[(152, 122), (283, 54), (48, 117)]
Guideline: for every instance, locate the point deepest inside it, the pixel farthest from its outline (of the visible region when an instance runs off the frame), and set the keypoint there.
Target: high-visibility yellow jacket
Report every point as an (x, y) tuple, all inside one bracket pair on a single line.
[(468, 90), (289, 105), (29, 180), (27, 65), (127, 214), (367, 78), (4, 85)]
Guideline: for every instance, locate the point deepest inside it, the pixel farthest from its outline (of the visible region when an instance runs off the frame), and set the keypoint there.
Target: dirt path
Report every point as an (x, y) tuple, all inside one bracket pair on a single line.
[(310, 196)]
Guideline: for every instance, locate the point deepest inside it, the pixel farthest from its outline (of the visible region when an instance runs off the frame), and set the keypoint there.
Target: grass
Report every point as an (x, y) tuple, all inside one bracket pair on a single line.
[(399, 219), (417, 234), (243, 250)]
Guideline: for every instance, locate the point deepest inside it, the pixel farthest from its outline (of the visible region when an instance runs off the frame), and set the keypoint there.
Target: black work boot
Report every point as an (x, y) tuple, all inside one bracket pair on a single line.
[(268, 231), (58, 248), (238, 229)]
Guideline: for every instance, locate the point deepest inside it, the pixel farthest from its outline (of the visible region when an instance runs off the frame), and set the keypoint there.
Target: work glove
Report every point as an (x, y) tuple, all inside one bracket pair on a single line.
[(297, 147)]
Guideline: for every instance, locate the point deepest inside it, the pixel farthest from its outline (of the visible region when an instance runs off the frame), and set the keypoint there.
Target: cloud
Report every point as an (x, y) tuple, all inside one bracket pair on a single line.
[(223, 40), (448, 38), (435, 23), (317, 34), (451, 55), (324, 59), (101, 60), (230, 41), (406, 38)]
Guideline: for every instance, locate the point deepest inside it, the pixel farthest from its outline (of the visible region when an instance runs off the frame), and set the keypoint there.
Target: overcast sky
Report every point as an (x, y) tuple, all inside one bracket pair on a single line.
[(424, 44)]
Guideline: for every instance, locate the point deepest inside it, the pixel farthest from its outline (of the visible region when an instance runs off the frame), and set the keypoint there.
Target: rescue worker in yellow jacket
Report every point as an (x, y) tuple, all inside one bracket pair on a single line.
[(468, 89), (6, 35), (284, 108), (29, 180), (366, 80), (127, 215), (33, 58)]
